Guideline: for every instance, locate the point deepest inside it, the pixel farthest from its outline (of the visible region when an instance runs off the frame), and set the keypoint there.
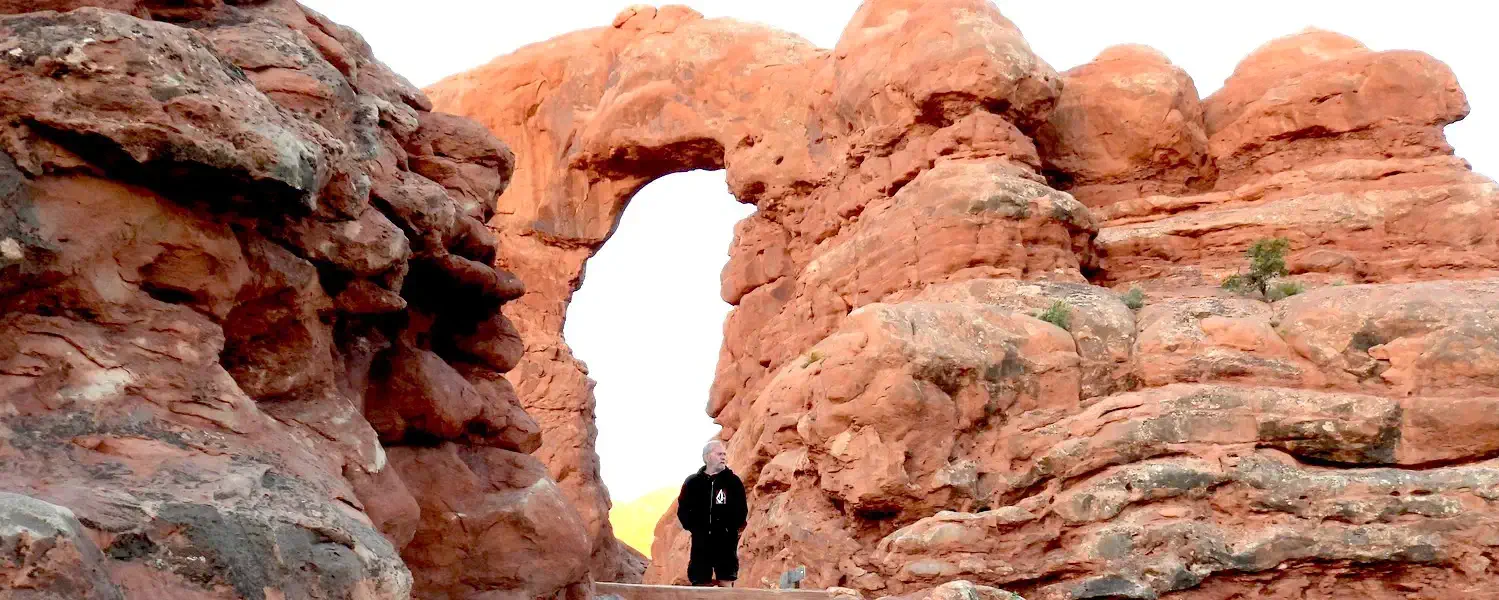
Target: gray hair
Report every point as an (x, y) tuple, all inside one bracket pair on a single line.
[(709, 448)]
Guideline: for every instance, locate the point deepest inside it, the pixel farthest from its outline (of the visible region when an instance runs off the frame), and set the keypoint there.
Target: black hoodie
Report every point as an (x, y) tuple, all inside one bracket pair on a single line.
[(712, 503)]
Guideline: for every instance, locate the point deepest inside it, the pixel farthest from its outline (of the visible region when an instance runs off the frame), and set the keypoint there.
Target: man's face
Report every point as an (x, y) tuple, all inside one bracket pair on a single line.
[(716, 458)]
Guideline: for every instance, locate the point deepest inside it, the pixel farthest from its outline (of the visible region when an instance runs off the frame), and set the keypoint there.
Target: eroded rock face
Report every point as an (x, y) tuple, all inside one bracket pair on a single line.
[(491, 519), (244, 278), (896, 390), (44, 553), (1151, 496), (1338, 149)]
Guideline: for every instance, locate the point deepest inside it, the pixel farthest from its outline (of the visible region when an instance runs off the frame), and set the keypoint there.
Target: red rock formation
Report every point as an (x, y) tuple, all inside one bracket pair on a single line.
[(900, 412), (249, 331), (1319, 97), (1128, 124), (602, 112)]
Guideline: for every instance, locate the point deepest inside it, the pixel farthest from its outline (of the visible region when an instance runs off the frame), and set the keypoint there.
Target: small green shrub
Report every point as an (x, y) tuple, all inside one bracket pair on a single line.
[(814, 356), (1060, 314), (1285, 289), (1267, 262), (1135, 298), (1237, 284)]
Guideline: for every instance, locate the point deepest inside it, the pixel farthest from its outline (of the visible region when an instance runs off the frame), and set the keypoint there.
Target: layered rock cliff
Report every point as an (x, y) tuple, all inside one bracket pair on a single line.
[(250, 335), (926, 190)]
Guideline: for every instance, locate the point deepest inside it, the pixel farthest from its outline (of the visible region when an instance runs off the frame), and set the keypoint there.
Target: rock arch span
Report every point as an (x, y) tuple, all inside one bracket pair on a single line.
[(604, 111)]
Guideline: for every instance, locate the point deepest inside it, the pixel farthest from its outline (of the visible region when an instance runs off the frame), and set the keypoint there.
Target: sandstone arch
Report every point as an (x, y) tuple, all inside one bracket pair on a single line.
[(884, 385), (572, 189), (604, 111)]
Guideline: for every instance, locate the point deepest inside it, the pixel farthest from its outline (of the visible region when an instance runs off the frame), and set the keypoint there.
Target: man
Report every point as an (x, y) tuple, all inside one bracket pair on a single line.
[(712, 508)]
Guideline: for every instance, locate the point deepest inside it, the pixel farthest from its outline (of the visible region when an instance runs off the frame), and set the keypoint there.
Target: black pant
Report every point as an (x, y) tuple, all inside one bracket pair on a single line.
[(713, 553)]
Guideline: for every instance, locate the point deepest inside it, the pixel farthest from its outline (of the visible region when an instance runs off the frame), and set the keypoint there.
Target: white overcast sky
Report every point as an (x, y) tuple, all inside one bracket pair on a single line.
[(648, 320)]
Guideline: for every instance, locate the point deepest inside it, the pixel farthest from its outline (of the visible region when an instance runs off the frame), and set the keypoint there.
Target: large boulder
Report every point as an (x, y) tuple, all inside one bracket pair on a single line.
[(1319, 96), (1128, 124)]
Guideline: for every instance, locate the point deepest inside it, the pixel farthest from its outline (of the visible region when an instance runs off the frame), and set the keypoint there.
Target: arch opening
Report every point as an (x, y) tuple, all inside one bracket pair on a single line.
[(648, 322)]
